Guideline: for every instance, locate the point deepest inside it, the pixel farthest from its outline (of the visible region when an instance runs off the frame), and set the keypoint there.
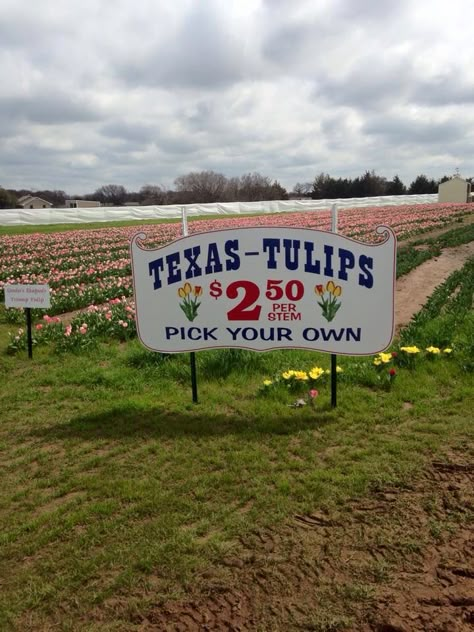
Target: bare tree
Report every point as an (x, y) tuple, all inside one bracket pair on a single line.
[(111, 194), (254, 187), (202, 187), (302, 189), (152, 194)]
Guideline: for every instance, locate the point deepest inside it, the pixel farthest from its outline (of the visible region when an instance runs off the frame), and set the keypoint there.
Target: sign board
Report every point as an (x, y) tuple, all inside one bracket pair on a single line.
[(265, 288), (36, 296)]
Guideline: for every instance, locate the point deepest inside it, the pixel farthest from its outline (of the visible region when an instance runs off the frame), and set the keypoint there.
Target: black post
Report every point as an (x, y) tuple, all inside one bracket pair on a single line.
[(193, 377), (28, 331), (333, 380)]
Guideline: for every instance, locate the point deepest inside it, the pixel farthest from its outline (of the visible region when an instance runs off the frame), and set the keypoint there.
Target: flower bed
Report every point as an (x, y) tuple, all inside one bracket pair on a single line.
[(93, 266)]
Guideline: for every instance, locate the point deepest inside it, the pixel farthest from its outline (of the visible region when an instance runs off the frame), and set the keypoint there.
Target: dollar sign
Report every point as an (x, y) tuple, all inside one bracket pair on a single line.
[(215, 289)]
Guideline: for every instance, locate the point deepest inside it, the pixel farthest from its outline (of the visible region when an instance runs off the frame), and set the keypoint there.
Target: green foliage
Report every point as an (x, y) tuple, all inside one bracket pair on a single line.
[(447, 318), (411, 256)]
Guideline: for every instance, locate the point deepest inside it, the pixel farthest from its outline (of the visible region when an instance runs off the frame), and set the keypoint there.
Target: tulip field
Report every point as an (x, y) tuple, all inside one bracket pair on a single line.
[(91, 267)]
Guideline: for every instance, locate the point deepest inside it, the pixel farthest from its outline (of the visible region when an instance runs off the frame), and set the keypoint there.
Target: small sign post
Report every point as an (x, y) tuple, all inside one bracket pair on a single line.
[(27, 297), (333, 355), (192, 355)]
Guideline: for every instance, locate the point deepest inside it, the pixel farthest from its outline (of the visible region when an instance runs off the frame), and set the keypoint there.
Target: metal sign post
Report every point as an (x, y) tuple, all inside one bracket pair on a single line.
[(333, 355), (28, 332), (192, 355)]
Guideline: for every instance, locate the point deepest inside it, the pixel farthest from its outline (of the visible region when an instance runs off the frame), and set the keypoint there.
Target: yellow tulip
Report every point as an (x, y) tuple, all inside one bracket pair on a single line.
[(187, 288), (181, 293), (337, 290), (330, 287)]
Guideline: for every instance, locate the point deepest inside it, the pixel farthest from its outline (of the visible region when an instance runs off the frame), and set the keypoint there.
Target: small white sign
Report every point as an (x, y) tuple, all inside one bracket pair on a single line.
[(36, 296), (266, 288)]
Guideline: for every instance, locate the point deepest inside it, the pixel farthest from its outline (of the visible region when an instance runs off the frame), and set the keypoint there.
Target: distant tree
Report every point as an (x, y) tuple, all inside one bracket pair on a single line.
[(253, 187), (369, 185), (232, 189), (151, 194), (278, 192), (395, 187), (7, 199), (421, 185), (202, 187), (321, 186), (56, 197), (444, 179), (111, 194), (302, 189), (325, 187)]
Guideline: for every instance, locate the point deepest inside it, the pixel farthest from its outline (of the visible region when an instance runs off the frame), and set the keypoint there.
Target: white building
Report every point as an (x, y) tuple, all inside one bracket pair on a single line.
[(455, 190), (31, 201), (82, 203)]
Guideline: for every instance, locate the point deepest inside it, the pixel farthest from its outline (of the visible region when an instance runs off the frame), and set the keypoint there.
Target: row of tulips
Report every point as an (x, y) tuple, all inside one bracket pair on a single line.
[(69, 262), (114, 320)]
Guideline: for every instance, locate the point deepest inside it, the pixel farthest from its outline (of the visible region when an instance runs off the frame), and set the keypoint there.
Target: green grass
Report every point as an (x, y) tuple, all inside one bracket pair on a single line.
[(117, 487), (118, 492)]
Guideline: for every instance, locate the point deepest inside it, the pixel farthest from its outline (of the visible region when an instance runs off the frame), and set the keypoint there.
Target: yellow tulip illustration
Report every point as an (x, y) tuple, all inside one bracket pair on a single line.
[(190, 305), (330, 287), (329, 304)]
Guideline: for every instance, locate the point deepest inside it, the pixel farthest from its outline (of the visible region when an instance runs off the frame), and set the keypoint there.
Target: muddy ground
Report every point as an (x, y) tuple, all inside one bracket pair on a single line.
[(399, 561)]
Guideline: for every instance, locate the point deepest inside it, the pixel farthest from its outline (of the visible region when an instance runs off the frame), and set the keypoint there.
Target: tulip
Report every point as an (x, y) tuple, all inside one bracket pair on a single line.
[(330, 287)]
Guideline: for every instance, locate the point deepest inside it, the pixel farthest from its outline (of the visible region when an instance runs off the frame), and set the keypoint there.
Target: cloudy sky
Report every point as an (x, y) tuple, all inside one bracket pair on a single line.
[(142, 91)]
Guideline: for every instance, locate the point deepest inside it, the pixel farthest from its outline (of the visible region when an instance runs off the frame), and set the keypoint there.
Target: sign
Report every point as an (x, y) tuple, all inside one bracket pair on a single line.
[(265, 288), (36, 296)]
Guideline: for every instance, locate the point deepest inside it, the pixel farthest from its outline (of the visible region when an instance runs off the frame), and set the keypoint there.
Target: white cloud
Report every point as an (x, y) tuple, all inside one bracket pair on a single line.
[(135, 92)]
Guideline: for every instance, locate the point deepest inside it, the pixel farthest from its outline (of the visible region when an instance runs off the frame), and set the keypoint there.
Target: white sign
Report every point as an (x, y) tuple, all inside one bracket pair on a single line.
[(36, 296), (266, 288)]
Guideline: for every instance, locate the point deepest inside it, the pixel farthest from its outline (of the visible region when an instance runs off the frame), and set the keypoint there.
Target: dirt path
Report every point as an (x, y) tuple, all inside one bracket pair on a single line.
[(413, 290), (399, 561)]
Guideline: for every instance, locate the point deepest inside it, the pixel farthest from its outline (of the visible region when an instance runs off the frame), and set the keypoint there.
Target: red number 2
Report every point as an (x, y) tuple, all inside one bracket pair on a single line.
[(242, 311)]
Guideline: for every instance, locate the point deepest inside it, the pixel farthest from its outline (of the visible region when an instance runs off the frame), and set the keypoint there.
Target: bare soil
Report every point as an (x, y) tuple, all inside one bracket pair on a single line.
[(399, 561), (413, 290)]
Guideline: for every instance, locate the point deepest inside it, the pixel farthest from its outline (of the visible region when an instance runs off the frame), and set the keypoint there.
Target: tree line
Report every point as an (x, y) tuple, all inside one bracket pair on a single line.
[(209, 186)]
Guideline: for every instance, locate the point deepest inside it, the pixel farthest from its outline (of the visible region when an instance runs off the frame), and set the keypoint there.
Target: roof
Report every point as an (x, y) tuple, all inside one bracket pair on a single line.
[(25, 199)]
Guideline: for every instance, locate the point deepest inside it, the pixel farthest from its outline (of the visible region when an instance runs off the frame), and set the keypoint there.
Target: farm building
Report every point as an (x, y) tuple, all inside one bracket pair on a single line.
[(82, 203), (31, 201), (455, 190)]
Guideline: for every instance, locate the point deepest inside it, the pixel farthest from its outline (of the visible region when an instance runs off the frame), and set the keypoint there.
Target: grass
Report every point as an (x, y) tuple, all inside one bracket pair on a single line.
[(118, 492), (117, 487)]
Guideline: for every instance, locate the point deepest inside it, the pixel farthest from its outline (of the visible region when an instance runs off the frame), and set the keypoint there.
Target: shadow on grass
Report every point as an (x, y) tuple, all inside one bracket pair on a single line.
[(123, 422)]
